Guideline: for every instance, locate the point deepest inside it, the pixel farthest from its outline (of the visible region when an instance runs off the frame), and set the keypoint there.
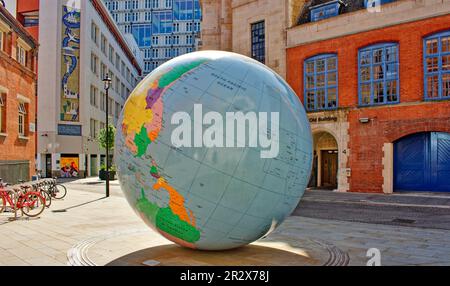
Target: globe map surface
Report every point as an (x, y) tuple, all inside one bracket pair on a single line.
[(212, 198)]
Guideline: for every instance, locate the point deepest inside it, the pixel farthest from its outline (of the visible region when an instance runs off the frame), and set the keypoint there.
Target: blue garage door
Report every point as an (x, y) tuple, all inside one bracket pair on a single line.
[(422, 163)]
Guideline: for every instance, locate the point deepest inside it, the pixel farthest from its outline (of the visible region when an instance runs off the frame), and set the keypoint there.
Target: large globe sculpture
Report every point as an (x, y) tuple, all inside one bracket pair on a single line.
[(213, 150)]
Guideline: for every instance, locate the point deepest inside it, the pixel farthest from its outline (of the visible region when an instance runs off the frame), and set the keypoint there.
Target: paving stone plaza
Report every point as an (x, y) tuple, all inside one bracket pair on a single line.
[(224, 133), (87, 229)]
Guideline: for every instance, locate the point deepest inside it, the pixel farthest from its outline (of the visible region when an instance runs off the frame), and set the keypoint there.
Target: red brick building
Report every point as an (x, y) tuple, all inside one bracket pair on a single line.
[(376, 84), (18, 52), (28, 16)]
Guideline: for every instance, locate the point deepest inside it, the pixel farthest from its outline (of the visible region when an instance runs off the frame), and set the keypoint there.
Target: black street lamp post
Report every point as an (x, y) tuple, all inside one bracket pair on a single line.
[(107, 81)]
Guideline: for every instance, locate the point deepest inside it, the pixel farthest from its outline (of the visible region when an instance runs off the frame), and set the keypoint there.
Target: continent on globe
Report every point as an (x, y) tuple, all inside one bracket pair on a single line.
[(168, 223), (154, 170), (141, 128), (205, 194)]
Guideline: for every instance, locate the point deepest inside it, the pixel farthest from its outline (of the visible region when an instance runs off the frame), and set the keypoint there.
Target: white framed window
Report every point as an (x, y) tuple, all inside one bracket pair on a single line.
[(103, 70), (148, 16), (189, 40), (21, 55), (176, 27), (94, 33), (94, 64), (102, 101), (111, 54), (93, 128), (103, 44), (22, 119), (155, 40), (93, 97)]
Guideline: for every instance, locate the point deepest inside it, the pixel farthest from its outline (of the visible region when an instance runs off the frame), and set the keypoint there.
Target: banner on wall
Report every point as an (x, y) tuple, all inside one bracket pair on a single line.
[(69, 167), (70, 66)]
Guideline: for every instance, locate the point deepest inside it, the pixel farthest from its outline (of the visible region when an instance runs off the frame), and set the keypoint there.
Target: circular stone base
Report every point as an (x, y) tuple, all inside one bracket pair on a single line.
[(252, 255), (139, 248)]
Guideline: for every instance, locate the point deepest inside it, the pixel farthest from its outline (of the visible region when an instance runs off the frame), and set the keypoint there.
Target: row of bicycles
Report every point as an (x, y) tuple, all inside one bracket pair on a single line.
[(30, 198)]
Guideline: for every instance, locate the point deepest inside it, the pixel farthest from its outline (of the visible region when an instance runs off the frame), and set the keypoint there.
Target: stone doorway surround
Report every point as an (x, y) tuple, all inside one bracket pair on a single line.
[(335, 125)]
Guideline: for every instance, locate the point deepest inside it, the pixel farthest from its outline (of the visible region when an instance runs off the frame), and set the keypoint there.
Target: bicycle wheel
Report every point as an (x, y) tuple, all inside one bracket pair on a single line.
[(60, 192), (32, 204), (2, 205), (47, 197)]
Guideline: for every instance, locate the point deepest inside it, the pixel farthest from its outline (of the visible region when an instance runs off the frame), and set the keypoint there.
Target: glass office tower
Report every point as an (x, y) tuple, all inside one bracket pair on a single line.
[(163, 29)]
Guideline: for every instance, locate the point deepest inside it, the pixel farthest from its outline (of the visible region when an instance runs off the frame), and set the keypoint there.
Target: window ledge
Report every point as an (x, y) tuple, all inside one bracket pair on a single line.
[(24, 138), (436, 99), (321, 110), (378, 104), (3, 135)]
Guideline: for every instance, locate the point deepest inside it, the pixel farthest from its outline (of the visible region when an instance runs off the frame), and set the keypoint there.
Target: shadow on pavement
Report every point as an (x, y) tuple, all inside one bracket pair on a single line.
[(252, 255), (77, 206)]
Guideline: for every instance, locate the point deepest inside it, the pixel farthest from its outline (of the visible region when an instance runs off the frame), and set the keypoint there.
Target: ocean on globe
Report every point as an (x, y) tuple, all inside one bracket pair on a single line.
[(213, 150)]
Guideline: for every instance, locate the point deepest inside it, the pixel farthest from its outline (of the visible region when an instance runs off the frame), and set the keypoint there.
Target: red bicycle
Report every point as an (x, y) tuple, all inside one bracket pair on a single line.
[(31, 203)]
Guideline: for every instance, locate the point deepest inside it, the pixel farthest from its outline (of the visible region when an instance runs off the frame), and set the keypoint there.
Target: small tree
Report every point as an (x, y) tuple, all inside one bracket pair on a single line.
[(102, 137)]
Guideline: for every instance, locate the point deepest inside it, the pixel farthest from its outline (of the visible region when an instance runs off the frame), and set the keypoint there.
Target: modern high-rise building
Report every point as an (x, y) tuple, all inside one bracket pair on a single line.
[(163, 29)]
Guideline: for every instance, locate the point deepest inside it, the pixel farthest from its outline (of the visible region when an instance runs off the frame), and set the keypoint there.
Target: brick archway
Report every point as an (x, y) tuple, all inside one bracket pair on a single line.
[(424, 125)]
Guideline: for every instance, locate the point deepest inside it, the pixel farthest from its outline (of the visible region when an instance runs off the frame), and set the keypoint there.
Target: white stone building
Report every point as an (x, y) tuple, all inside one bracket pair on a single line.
[(79, 44)]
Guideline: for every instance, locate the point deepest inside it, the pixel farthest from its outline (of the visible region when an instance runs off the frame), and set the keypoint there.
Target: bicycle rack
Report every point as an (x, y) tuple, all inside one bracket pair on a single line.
[(15, 197)]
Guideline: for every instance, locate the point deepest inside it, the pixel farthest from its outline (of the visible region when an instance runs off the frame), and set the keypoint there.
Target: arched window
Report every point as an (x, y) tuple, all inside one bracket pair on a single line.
[(437, 66), (321, 82), (378, 74)]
